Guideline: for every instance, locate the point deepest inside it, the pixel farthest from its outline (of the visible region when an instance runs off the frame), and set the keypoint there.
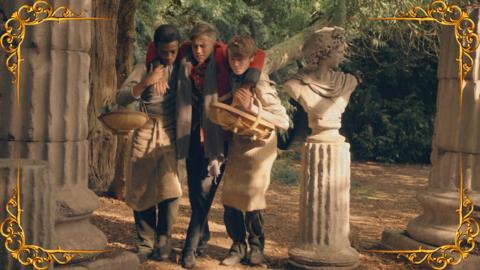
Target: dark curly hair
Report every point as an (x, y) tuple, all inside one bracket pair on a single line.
[(322, 43)]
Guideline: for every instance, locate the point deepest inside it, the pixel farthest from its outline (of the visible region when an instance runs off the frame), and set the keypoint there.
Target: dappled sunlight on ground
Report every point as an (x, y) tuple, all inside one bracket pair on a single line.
[(382, 196)]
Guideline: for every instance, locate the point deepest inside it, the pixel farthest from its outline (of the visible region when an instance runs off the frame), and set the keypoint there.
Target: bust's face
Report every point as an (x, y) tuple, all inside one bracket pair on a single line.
[(321, 58), (336, 57), (325, 48)]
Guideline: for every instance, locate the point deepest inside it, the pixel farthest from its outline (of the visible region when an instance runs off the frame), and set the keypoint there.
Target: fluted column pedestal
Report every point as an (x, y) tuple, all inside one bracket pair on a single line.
[(324, 226), (37, 200), (455, 138)]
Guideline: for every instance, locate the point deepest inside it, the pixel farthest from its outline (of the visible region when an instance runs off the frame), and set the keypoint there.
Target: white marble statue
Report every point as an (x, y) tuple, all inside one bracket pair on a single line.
[(324, 228), (322, 90)]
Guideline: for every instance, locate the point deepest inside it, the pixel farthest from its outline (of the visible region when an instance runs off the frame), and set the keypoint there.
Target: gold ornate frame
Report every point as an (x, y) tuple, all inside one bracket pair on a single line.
[(11, 228), (469, 228), (437, 11)]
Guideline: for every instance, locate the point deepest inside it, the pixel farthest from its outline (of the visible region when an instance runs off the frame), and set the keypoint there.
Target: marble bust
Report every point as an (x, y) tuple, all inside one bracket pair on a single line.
[(323, 91)]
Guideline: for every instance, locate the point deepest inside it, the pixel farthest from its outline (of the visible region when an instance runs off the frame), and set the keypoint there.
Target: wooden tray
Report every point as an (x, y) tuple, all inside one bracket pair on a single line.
[(123, 121)]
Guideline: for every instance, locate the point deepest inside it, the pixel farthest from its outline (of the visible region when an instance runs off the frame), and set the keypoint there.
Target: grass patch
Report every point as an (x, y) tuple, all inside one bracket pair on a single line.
[(286, 169), (358, 190)]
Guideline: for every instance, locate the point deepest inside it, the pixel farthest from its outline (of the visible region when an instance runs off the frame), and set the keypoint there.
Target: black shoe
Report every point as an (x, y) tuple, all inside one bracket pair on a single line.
[(143, 255), (188, 259), (236, 254), (256, 256), (232, 259), (201, 249), (163, 248)]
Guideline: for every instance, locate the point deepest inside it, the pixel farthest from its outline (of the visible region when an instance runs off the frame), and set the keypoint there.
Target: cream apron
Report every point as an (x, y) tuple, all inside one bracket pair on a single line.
[(247, 172), (154, 175)]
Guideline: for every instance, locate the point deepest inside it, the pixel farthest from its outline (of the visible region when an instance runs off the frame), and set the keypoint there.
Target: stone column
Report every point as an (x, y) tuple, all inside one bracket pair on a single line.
[(456, 136), (52, 123), (37, 200), (324, 228), (324, 209)]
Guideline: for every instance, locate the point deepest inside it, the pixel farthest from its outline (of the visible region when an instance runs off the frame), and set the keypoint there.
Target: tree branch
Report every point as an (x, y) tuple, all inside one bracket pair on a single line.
[(290, 50)]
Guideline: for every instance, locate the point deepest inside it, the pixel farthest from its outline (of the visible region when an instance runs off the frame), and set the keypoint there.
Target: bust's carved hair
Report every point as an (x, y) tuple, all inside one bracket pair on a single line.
[(203, 29), (242, 46), (322, 43)]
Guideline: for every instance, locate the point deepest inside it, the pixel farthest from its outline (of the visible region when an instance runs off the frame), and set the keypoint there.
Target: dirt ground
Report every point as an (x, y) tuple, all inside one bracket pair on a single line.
[(382, 197)]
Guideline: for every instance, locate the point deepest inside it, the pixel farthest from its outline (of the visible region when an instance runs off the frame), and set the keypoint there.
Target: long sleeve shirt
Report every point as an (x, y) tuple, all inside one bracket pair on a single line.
[(161, 107)]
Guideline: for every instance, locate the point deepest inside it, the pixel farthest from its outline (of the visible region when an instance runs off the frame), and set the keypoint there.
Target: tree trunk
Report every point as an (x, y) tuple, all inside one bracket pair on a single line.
[(290, 50), (103, 81), (125, 47), (125, 38)]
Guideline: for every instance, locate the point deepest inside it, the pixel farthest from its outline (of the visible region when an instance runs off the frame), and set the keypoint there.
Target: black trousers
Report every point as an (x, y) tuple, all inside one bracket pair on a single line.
[(152, 226), (239, 223), (201, 192)]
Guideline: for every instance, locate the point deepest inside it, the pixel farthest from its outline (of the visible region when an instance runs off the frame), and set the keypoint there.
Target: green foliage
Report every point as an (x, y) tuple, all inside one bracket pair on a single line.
[(148, 17), (268, 21), (337, 11), (390, 116)]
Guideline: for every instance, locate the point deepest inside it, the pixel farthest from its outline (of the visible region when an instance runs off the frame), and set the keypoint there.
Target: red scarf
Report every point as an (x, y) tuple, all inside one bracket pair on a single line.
[(221, 63)]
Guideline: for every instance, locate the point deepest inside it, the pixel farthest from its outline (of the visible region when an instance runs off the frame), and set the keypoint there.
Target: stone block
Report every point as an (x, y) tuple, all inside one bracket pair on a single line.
[(68, 35), (117, 260), (37, 200), (67, 161), (53, 108), (444, 175)]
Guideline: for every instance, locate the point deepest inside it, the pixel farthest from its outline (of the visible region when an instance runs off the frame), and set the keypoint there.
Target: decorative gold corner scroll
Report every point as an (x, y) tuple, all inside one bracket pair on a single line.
[(26, 254), (11, 228), (38, 13), (469, 228)]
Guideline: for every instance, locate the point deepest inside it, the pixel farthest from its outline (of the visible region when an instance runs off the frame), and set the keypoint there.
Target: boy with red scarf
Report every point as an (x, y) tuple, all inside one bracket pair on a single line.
[(202, 79)]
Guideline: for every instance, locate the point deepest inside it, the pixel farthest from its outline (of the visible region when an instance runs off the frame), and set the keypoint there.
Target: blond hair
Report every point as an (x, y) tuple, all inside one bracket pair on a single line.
[(203, 29)]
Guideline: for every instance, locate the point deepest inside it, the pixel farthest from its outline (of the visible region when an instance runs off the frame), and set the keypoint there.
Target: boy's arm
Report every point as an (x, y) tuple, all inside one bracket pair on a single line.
[(252, 75), (279, 118), (272, 108), (125, 94), (138, 81)]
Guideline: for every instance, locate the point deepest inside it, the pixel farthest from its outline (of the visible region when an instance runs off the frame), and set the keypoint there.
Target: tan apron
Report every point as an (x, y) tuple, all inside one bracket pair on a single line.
[(247, 172), (154, 176)]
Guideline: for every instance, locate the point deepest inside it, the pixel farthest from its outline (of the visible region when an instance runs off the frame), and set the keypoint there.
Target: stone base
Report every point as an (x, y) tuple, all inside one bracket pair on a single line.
[(438, 223), (311, 259), (400, 241), (117, 260), (292, 265)]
